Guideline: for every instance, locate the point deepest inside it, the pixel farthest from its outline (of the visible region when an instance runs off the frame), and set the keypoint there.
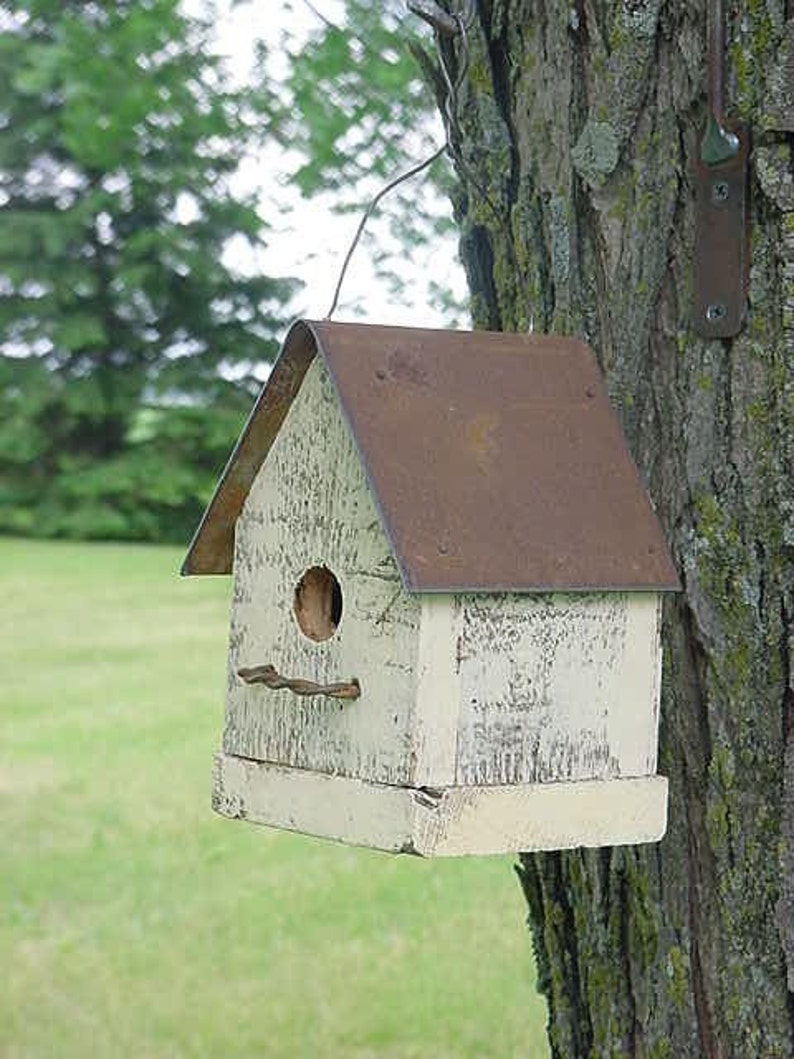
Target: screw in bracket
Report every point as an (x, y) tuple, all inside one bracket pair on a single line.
[(720, 191), (715, 312)]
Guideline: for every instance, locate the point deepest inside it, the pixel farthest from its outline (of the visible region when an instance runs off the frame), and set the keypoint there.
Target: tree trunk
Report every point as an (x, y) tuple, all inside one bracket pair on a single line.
[(576, 128)]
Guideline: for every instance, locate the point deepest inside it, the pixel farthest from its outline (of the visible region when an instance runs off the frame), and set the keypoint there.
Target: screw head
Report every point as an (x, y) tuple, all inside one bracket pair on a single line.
[(720, 191), (716, 311)]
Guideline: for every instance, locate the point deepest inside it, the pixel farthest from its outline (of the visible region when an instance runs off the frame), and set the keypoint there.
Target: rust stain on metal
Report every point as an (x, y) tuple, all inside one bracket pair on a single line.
[(480, 439), (405, 367), (495, 460)]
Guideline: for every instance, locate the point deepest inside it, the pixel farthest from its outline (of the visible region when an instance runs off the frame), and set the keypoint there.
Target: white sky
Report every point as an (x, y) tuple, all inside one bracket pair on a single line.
[(307, 240)]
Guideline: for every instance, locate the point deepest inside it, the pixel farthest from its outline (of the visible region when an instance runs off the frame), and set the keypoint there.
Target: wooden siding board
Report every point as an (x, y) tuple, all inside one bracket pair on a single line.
[(547, 816), (450, 822), (313, 803), (435, 733), (557, 687)]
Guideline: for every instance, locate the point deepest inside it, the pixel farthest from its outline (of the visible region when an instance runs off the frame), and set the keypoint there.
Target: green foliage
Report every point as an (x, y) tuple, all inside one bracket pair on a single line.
[(355, 103), (121, 322), (358, 107), (153, 488), (119, 143)]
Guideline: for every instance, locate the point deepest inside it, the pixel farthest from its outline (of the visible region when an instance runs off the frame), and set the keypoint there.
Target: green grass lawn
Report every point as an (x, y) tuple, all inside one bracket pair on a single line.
[(135, 923)]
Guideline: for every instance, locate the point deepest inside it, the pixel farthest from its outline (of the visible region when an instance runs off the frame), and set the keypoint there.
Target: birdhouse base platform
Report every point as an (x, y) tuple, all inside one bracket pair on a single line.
[(447, 821)]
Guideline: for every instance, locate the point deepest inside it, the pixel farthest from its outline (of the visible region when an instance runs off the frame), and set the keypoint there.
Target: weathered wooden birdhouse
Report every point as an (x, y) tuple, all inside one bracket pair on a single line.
[(445, 619)]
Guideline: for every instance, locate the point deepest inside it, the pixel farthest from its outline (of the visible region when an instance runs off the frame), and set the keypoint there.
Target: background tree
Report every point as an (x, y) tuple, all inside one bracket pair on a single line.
[(357, 110), (128, 341), (579, 124)]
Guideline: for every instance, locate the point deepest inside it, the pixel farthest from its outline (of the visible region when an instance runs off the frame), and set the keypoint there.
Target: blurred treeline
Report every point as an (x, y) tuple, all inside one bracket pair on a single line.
[(130, 341)]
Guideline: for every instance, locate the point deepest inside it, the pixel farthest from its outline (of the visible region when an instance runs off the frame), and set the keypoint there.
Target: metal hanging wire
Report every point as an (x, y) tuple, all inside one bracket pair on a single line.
[(443, 23), (373, 205), (451, 25)]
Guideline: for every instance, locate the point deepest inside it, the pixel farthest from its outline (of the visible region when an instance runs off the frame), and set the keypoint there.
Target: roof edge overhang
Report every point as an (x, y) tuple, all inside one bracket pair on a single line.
[(212, 549)]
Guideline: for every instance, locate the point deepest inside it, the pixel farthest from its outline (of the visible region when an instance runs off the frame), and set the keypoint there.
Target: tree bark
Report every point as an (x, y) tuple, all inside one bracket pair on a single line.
[(576, 128)]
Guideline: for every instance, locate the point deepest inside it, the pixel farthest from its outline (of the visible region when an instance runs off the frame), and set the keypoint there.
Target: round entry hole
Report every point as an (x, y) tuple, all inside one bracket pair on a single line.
[(318, 603)]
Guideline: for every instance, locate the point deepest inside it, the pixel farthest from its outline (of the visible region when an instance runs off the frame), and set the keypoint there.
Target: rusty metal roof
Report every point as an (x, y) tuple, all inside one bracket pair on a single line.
[(495, 460)]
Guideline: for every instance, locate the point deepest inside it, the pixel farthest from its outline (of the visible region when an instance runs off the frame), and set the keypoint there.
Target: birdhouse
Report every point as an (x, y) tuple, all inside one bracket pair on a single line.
[(445, 624)]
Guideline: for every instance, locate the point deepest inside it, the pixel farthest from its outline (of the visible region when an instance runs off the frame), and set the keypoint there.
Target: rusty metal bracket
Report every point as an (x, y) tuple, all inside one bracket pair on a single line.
[(722, 218), (268, 676), (722, 243)]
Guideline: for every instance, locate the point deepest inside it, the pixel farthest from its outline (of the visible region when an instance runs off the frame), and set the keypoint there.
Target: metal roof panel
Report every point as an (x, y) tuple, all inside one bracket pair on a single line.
[(495, 460)]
